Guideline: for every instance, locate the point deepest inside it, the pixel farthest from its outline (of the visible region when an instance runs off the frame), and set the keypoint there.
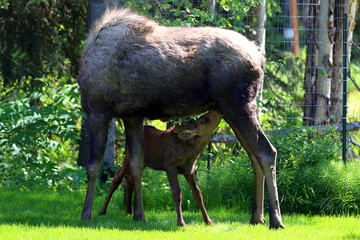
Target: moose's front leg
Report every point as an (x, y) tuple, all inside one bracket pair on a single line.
[(258, 202), (135, 137), (243, 121)]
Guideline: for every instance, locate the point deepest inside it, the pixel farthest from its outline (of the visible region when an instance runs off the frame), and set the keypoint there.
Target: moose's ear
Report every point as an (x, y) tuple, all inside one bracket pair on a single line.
[(187, 134)]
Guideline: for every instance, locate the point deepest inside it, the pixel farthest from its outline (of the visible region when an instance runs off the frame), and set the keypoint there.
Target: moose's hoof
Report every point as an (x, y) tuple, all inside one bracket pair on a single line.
[(86, 216), (181, 223), (276, 223), (256, 221), (139, 217)]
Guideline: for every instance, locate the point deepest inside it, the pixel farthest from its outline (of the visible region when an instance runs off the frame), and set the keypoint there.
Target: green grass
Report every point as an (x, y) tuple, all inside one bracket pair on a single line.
[(50, 215), (354, 94), (354, 106)]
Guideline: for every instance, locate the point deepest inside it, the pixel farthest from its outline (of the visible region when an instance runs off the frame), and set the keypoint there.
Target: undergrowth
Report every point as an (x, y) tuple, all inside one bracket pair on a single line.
[(39, 129)]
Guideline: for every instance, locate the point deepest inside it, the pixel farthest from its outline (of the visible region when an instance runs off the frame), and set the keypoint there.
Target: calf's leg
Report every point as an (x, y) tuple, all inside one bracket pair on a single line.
[(135, 136), (190, 178), (129, 193), (176, 192), (119, 175), (98, 124)]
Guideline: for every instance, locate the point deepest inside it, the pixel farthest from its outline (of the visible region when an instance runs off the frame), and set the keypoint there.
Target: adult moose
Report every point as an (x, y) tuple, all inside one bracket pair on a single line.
[(133, 68)]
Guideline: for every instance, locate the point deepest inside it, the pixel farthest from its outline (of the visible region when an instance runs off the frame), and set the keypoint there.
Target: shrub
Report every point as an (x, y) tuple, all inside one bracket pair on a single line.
[(311, 175), (37, 127)]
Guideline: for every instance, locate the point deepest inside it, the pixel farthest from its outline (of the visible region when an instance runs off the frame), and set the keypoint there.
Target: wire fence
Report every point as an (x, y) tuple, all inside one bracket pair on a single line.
[(306, 43)]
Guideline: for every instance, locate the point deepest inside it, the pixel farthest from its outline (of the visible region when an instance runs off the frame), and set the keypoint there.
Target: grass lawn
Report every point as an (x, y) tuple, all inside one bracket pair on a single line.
[(50, 215)]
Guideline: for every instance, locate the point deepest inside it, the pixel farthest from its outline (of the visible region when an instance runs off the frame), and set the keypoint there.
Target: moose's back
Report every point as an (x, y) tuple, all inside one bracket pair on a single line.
[(132, 66)]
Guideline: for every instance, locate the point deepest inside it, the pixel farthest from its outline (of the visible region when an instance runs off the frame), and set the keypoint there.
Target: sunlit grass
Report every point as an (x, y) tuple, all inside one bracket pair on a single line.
[(354, 106), (354, 93), (50, 215)]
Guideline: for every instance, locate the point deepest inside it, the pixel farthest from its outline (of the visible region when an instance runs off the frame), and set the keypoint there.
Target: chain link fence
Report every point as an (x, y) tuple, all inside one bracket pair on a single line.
[(307, 46)]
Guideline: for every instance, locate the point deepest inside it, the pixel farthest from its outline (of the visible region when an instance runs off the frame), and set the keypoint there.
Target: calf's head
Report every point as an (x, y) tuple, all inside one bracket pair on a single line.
[(203, 126)]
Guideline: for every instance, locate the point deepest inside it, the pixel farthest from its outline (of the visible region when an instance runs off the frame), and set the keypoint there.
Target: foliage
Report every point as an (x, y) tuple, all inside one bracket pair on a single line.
[(311, 177), (39, 117), (282, 97), (39, 135), (228, 14), (37, 130), (41, 37)]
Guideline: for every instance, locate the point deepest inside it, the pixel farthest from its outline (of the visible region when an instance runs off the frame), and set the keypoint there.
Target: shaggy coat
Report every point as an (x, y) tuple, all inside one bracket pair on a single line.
[(133, 68), (127, 52)]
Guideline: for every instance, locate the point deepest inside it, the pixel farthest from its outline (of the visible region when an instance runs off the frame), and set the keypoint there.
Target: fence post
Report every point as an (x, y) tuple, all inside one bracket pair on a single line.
[(345, 87), (208, 157)]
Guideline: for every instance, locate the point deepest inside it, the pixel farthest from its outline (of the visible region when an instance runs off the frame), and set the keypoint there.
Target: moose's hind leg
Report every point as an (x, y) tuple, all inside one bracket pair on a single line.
[(98, 124), (135, 137)]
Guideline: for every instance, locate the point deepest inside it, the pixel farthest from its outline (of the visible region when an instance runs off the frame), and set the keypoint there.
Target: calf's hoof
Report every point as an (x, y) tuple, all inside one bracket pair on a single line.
[(209, 222), (256, 221), (102, 212)]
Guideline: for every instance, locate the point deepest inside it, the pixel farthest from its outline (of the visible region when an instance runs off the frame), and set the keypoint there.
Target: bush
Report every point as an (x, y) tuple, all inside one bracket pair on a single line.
[(39, 134), (311, 175), (37, 131)]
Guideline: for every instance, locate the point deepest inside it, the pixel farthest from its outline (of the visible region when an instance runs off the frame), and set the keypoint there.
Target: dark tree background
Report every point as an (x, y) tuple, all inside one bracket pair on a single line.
[(96, 9), (41, 37)]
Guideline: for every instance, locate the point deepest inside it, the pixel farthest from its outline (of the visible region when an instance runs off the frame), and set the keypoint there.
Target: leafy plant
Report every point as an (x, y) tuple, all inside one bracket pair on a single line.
[(36, 125)]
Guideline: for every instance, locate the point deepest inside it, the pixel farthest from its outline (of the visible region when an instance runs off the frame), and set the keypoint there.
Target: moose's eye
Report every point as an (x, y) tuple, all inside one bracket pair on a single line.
[(207, 120)]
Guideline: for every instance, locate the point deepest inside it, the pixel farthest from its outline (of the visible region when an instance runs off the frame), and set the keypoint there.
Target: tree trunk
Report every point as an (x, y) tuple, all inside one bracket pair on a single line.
[(350, 7), (6, 65), (258, 13), (96, 8), (109, 155), (311, 64), (323, 84), (337, 80), (7, 48), (210, 5), (84, 148)]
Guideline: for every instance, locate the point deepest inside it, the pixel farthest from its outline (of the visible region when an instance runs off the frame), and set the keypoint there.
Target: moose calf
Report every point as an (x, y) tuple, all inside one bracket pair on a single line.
[(173, 151)]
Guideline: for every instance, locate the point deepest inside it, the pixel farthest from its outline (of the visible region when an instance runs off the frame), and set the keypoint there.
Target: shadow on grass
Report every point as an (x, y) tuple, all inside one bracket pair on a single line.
[(35, 208)]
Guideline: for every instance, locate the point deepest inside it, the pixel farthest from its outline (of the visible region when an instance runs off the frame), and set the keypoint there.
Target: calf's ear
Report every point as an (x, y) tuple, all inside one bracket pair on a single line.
[(187, 134), (178, 128)]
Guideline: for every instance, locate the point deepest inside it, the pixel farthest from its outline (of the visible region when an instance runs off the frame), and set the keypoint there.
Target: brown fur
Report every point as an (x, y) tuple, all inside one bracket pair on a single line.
[(174, 151), (133, 68)]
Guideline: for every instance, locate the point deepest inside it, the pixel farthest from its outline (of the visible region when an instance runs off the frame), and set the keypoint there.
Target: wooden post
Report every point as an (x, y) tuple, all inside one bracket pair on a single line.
[(295, 26)]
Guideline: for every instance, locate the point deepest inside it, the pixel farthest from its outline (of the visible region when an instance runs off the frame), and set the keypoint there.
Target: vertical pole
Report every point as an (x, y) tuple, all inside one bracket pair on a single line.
[(295, 27), (345, 87), (208, 157)]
